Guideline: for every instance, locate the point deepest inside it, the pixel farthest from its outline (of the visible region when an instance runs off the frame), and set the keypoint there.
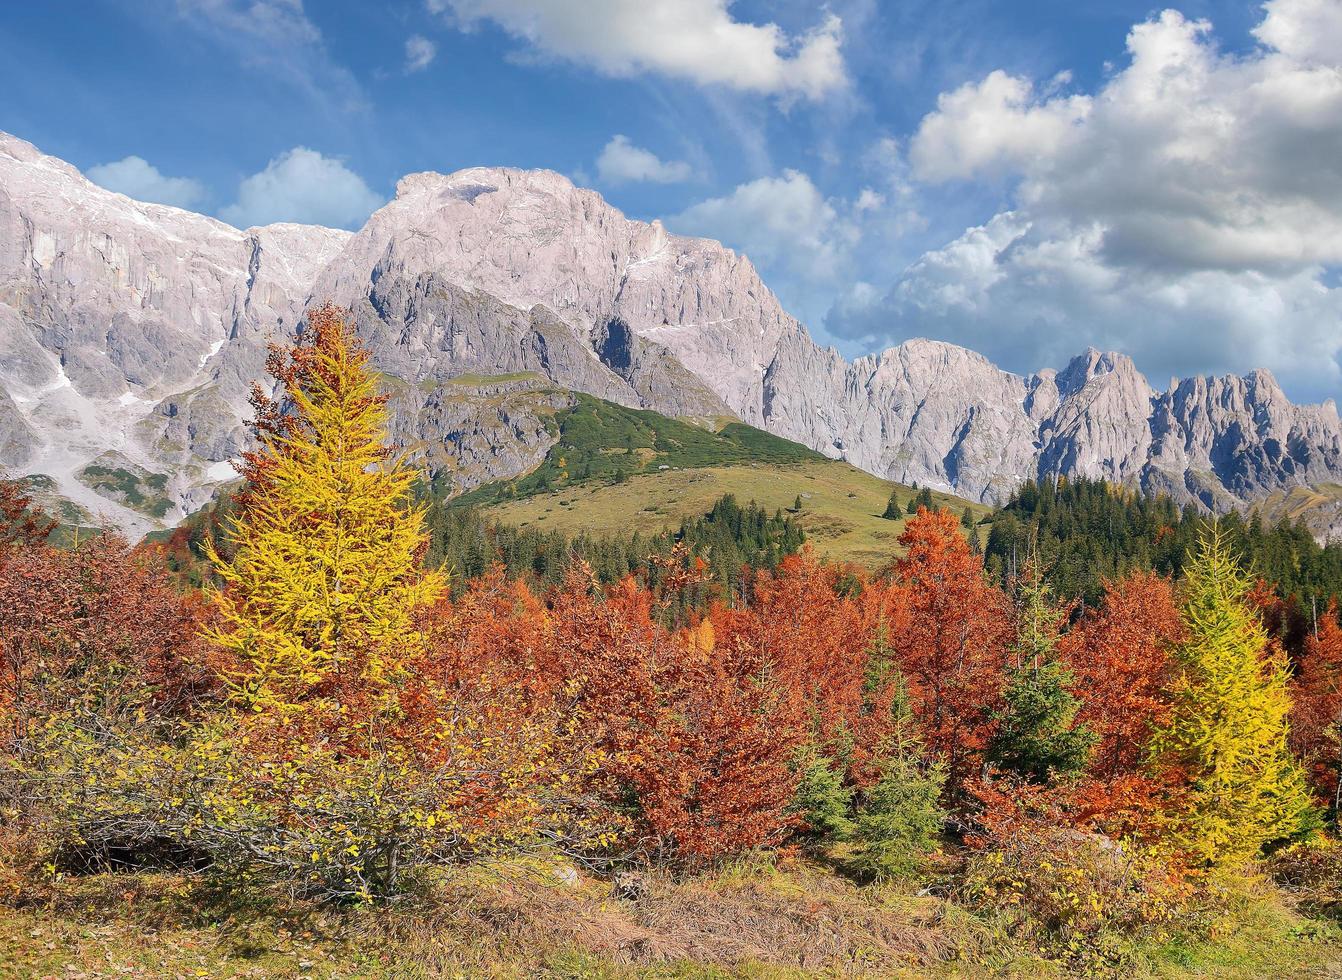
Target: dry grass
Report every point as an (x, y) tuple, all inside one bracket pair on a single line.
[(758, 919), (754, 920), (796, 918)]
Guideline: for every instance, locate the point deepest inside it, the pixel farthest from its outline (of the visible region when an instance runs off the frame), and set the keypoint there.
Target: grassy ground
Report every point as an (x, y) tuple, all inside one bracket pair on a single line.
[(600, 441), (1319, 506), (759, 920), (841, 505)]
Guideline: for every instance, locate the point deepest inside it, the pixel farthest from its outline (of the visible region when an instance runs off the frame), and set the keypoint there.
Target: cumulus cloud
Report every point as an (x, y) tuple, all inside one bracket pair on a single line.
[(696, 40), (623, 162), (138, 178), (994, 123), (1188, 212), (1309, 31), (419, 53), (303, 186), (783, 223)]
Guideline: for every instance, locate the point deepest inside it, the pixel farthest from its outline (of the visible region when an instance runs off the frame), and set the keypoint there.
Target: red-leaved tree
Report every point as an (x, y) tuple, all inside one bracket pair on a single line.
[(953, 648), (1316, 713)]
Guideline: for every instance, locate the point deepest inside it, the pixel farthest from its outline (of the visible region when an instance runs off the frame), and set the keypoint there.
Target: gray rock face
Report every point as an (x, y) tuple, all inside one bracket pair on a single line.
[(469, 432), (135, 329)]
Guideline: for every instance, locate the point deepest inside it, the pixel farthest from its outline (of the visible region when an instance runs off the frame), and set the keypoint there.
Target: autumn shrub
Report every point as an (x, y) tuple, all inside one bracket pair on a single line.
[(106, 795), (1312, 873), (696, 737), (1316, 711), (22, 523), (94, 645), (96, 625), (361, 816), (1080, 898), (1119, 656)]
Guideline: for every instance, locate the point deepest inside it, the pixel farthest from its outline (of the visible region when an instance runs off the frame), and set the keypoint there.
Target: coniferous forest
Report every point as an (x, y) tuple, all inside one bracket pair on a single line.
[(1089, 531), (1111, 745)]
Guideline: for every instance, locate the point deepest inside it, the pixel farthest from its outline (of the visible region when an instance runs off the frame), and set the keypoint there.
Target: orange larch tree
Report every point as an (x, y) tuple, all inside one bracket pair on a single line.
[(1316, 712), (953, 648), (1119, 659)]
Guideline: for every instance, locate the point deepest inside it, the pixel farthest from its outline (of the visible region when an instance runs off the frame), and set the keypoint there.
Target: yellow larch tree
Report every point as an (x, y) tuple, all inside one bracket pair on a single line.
[(325, 574), (1226, 738)]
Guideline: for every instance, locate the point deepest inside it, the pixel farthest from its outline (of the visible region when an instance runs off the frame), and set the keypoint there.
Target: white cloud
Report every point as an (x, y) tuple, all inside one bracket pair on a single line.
[(303, 186), (783, 223), (697, 40), (277, 37), (1188, 212), (1009, 291), (622, 162), (1308, 30), (273, 22), (997, 122), (136, 177), (869, 200), (419, 53)]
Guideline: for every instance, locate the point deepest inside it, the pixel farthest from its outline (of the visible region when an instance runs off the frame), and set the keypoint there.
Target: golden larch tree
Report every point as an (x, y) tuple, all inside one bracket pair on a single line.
[(325, 575), (1226, 738)]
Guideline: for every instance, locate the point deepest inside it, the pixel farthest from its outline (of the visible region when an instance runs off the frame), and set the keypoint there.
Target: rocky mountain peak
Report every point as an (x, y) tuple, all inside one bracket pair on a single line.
[(1093, 364), (129, 333)]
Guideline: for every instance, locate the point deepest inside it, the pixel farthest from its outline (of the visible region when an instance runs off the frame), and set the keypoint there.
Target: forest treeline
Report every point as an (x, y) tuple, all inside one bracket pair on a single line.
[(331, 715), (729, 543), (1087, 531)]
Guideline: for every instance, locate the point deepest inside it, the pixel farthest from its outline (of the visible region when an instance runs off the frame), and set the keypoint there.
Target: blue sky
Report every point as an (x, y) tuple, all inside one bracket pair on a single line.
[(1025, 178)]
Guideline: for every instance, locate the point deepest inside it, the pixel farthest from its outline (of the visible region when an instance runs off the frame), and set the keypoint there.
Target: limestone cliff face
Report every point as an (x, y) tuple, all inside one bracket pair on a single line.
[(134, 329)]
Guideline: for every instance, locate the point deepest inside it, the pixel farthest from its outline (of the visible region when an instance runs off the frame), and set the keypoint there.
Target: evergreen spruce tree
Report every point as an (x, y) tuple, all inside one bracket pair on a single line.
[(822, 800), (1227, 733), (1037, 736), (899, 819), (891, 512), (324, 576)]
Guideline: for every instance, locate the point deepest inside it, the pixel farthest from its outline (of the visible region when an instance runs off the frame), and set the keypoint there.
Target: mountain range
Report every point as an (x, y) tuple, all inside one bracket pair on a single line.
[(130, 333)]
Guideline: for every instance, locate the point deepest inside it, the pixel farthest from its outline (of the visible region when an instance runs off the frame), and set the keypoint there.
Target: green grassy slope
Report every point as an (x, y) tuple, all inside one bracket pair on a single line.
[(1318, 506), (599, 440), (617, 469), (841, 505)]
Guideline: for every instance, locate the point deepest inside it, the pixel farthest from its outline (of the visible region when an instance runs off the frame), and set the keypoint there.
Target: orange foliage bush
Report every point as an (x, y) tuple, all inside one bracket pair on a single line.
[(693, 742), (21, 524), (827, 652), (98, 611)]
